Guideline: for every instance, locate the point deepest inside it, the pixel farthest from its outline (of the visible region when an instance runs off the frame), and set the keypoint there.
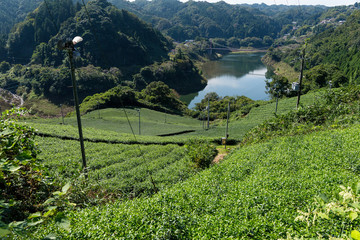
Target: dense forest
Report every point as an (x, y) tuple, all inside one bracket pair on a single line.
[(117, 45), (332, 56), (193, 19), (121, 49), (14, 11)]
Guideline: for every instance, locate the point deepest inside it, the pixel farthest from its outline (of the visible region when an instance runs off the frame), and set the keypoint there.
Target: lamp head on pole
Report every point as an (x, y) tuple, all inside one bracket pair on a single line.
[(69, 44)]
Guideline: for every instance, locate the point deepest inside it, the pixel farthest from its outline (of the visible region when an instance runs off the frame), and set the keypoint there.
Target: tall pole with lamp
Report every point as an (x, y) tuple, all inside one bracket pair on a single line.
[(69, 46)]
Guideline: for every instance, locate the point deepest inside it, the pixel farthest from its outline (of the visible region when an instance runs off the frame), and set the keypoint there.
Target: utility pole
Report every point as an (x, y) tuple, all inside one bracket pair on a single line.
[(301, 77), (62, 114), (208, 113), (227, 124), (69, 46), (98, 107), (277, 99), (71, 57), (139, 121), (203, 120)]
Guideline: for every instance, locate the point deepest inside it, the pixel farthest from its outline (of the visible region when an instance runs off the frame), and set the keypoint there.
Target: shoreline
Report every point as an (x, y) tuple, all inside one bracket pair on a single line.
[(249, 50)]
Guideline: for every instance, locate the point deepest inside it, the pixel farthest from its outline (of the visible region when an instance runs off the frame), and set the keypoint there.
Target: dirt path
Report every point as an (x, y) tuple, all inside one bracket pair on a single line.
[(219, 157)]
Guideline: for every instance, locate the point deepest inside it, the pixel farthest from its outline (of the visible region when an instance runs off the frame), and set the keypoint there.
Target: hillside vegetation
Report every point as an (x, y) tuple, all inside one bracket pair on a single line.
[(116, 49), (331, 56), (255, 193), (194, 19), (149, 170), (14, 11)]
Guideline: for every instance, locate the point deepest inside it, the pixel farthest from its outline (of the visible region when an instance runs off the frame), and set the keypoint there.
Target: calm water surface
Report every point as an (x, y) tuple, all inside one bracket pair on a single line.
[(233, 75)]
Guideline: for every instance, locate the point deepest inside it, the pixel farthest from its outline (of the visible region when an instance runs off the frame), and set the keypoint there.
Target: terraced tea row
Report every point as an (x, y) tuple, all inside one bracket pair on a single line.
[(117, 168)]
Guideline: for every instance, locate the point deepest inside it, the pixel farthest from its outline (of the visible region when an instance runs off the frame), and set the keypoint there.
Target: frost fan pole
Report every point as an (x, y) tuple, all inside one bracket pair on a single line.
[(208, 114), (227, 124), (69, 46), (301, 77)]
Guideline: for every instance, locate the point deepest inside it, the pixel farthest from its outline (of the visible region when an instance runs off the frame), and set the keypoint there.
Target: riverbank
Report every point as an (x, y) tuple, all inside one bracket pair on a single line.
[(282, 69), (249, 50)]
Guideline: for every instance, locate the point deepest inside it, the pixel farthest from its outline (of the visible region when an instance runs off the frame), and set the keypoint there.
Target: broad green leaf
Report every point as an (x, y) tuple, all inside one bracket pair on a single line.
[(6, 132), (50, 212), (358, 187), (355, 205), (353, 216), (35, 223), (65, 224), (57, 193), (35, 215), (51, 208), (324, 197), (51, 236), (50, 200), (19, 224), (355, 234), (323, 215), (24, 156), (14, 168), (66, 188)]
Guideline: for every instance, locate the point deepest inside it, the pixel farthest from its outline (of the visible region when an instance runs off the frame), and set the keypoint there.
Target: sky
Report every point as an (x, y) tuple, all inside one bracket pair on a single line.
[(289, 2)]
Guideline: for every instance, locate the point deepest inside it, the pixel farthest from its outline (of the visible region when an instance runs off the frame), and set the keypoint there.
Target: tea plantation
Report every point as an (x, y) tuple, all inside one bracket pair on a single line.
[(147, 186), (117, 168), (254, 194)]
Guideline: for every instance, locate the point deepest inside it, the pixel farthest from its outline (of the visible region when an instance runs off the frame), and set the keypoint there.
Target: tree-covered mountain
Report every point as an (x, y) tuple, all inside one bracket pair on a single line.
[(219, 20), (116, 49), (38, 27), (339, 46), (112, 37), (14, 11), (332, 55)]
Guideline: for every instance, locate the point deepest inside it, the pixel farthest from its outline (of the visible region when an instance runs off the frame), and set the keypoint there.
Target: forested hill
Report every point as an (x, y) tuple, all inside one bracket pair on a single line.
[(332, 56), (218, 20), (14, 11), (111, 33), (339, 46)]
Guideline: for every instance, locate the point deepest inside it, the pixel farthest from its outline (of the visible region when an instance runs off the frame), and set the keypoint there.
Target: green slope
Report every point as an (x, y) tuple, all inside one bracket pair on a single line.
[(112, 125), (254, 193)]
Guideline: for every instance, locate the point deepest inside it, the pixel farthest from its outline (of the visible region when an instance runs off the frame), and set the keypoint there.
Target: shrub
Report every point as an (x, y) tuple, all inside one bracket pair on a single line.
[(201, 153), (23, 184)]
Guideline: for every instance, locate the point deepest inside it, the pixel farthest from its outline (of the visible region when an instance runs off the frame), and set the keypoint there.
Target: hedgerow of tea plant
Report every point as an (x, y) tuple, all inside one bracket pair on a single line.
[(120, 169), (336, 108), (201, 153), (255, 194)]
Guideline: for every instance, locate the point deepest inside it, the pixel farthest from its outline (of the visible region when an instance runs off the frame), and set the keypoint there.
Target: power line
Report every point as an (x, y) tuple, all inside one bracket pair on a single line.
[(141, 152)]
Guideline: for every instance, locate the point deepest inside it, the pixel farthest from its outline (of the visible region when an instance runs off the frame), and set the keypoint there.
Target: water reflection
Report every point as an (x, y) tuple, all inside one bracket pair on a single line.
[(234, 75), (236, 65)]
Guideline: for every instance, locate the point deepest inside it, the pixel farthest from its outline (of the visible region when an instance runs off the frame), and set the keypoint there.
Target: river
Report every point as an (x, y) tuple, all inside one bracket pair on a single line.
[(233, 75)]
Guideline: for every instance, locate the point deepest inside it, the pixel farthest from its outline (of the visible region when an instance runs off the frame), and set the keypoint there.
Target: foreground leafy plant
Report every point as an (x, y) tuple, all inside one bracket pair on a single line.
[(24, 184), (22, 181), (344, 211)]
